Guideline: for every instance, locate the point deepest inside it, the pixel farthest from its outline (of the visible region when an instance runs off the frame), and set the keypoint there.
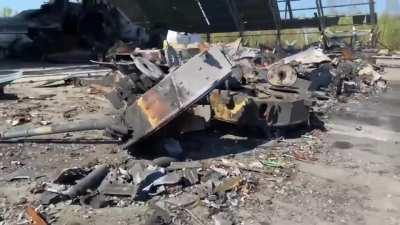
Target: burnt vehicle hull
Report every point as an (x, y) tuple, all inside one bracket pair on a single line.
[(278, 109)]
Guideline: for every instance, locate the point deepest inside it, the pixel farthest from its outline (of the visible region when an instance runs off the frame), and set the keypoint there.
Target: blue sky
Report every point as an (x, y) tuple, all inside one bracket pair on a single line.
[(380, 7), (20, 5)]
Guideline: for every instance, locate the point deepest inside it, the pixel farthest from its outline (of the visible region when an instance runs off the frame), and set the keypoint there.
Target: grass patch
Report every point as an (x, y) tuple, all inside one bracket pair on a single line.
[(389, 27)]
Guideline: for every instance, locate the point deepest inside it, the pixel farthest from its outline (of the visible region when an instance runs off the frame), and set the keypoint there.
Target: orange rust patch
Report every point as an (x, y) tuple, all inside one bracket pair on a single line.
[(223, 112), (347, 54), (204, 47), (35, 217), (154, 107)]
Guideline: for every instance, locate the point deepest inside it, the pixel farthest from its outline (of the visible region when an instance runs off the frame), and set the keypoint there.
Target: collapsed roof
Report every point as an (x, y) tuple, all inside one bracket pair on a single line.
[(202, 16)]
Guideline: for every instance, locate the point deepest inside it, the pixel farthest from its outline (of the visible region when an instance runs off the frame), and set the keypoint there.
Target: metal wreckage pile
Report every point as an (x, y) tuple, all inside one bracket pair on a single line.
[(161, 94), (64, 31)]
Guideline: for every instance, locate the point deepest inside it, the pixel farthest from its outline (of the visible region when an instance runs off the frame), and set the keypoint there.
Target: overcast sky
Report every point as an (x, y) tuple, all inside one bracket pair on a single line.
[(20, 5)]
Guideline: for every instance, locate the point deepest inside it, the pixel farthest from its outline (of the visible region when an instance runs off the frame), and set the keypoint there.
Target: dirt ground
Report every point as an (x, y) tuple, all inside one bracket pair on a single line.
[(355, 179)]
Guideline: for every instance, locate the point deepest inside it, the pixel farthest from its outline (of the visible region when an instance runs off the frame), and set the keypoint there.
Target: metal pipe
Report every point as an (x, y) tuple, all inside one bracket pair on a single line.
[(203, 12), (56, 129), (90, 182), (329, 6)]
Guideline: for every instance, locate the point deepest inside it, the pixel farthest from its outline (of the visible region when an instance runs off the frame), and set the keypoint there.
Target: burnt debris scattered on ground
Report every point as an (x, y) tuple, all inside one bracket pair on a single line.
[(188, 140)]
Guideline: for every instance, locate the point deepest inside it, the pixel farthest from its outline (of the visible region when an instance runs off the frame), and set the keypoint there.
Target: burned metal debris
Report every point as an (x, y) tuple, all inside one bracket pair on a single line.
[(243, 91), (266, 110), (158, 106), (67, 31), (6, 77), (157, 101)]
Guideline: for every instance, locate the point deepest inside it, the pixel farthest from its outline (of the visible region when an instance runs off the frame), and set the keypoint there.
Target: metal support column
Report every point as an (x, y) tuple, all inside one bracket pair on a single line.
[(289, 9), (322, 22), (277, 21), (374, 31), (234, 12), (372, 12)]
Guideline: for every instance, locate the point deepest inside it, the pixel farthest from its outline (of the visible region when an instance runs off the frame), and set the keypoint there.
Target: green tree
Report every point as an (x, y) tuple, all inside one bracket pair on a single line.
[(6, 12), (389, 27)]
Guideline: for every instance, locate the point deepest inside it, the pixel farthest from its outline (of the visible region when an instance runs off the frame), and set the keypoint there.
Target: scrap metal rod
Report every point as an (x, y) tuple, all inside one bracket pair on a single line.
[(330, 6), (203, 12), (56, 129)]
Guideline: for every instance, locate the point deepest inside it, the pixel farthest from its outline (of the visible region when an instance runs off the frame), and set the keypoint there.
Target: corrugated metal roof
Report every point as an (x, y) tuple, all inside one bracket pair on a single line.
[(187, 16)]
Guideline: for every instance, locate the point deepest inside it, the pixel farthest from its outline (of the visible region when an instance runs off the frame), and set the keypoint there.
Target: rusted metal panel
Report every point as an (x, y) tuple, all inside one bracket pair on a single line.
[(277, 109), (176, 93)]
